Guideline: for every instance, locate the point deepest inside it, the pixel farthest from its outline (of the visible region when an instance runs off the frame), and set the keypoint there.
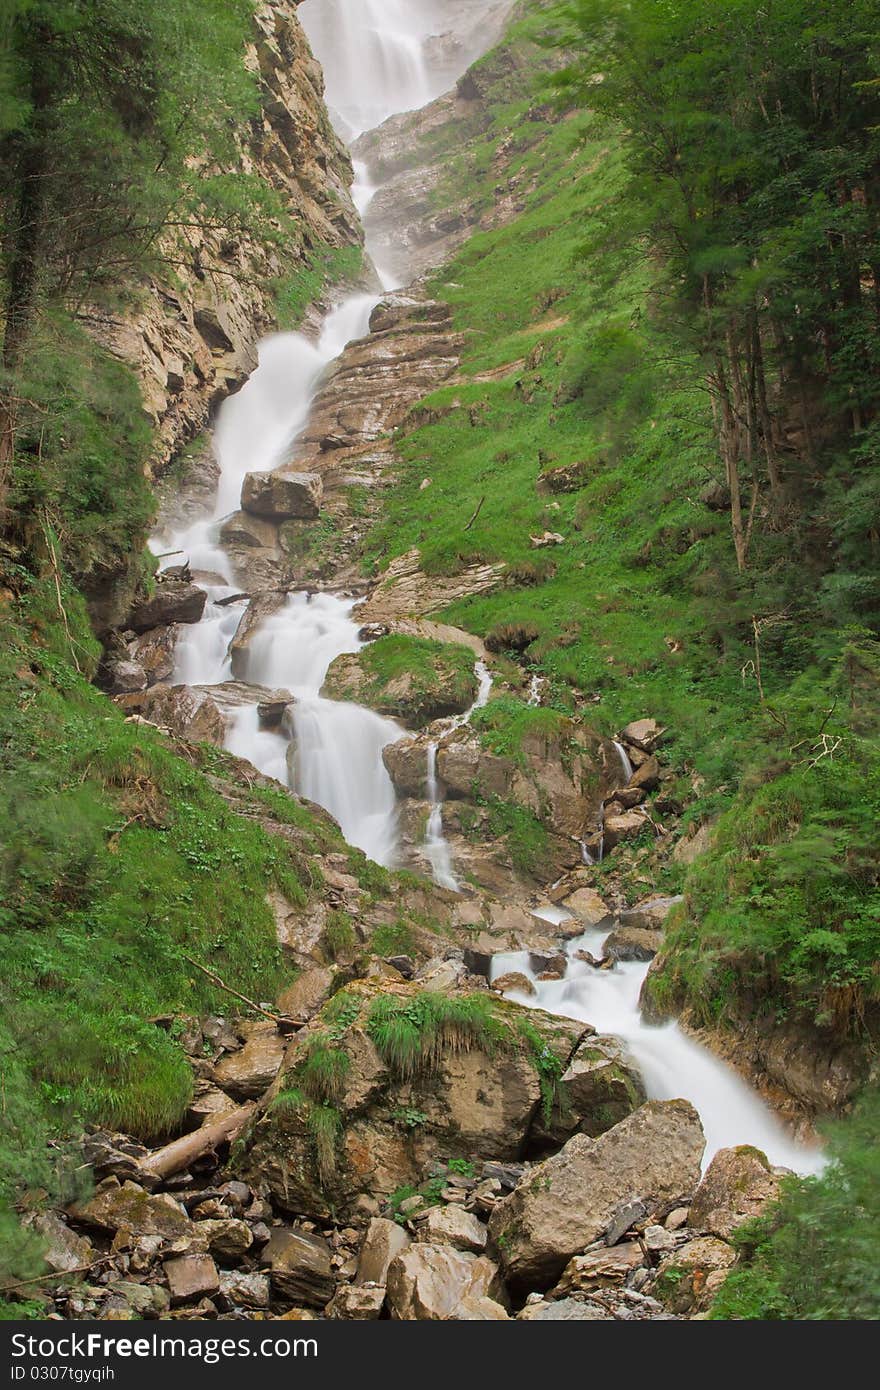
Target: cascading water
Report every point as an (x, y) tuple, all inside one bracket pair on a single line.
[(437, 849), (671, 1063), (382, 57)]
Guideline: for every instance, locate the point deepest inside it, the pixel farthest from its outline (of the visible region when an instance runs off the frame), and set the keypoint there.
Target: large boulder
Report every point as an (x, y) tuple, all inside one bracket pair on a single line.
[(481, 1094), (413, 679), (383, 1242), (248, 1072), (187, 712), (736, 1186), (283, 495), (598, 1089), (437, 1283), (116, 1206), (300, 1267), (565, 1203), (175, 601)]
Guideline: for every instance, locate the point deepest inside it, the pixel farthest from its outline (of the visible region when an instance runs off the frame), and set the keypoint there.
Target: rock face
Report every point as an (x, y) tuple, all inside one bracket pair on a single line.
[(282, 495), (482, 1099), (194, 341), (566, 1202)]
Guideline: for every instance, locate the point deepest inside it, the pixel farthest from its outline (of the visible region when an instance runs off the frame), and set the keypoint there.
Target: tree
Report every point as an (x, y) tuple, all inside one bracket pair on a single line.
[(116, 120)]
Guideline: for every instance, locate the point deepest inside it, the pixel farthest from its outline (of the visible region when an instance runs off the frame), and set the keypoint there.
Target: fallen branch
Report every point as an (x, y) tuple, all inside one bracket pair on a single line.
[(221, 984), (181, 1153), (59, 1274), (476, 513)]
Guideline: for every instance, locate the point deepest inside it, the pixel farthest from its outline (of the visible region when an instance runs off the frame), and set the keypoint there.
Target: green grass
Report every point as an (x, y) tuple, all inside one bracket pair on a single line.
[(413, 678), (324, 267)]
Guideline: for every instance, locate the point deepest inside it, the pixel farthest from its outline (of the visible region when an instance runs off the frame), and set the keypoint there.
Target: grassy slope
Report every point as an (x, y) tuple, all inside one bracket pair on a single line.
[(640, 609)]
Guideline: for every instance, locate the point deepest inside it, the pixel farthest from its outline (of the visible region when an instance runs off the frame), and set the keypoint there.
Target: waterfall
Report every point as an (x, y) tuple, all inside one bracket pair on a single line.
[(624, 762), (437, 848), (671, 1063)]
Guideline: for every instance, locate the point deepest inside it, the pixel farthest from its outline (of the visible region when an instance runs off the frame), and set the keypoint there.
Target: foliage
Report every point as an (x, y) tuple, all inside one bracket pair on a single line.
[(413, 1034), (816, 1253), (412, 677)]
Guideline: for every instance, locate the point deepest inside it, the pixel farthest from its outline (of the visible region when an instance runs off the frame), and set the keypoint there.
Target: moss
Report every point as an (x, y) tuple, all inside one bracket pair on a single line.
[(393, 939), (411, 678)]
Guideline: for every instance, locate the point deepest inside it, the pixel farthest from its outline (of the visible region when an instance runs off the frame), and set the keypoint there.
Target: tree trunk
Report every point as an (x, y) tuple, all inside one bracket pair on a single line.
[(174, 1157)]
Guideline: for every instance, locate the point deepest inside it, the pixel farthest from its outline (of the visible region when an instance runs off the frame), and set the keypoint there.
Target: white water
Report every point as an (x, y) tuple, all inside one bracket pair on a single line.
[(378, 59), (671, 1063), (437, 849), (624, 762)]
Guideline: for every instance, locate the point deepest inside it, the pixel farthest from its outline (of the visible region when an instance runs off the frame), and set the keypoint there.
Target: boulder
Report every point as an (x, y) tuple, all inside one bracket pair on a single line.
[(623, 825), (689, 1279), (125, 677), (566, 1202), (299, 1266), (633, 943), (646, 777), (513, 980), (597, 1090), (433, 1282), (248, 1072), (186, 712), (191, 1277), (136, 1300), (643, 733), (383, 1242), (227, 1238), (63, 1249), (308, 992), (407, 765), (451, 1225), (565, 1310), (283, 495), (172, 602), (736, 1186), (587, 905), (154, 653), (116, 1206)]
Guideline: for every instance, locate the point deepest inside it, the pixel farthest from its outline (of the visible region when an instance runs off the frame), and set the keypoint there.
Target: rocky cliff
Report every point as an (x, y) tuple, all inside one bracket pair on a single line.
[(192, 335)]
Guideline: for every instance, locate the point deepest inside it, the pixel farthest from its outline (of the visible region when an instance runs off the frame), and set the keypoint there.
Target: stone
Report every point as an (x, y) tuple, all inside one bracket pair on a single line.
[(513, 980), (623, 825), (228, 1239), (633, 943), (126, 677), (599, 1087), (688, 1279), (644, 733), (677, 1218), (172, 602), (190, 714), (627, 1215), (566, 1202), (586, 904), (153, 652), (128, 1207), (191, 1277), (658, 1240), (209, 1103), (241, 1290), (692, 846), (139, 1300), (451, 1225), (432, 1282), (600, 1269), (283, 495), (472, 1309), (299, 1266), (646, 777), (309, 991), (736, 1186), (357, 1302), (63, 1249), (383, 1241), (247, 1073), (565, 1310)]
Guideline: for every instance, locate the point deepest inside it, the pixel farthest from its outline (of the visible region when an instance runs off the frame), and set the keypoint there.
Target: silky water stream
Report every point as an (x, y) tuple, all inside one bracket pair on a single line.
[(381, 57)]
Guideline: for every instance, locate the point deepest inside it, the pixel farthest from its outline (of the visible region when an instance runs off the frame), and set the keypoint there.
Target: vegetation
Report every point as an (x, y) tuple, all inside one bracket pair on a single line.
[(814, 1254), (414, 678)]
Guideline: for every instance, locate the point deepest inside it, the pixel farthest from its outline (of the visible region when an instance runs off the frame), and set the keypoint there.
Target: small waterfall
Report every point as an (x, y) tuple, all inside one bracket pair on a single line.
[(436, 844), (671, 1063), (624, 762), (437, 848)]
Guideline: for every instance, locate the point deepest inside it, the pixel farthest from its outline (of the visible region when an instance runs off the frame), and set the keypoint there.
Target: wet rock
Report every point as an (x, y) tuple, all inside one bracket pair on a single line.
[(383, 1242), (309, 991), (247, 1073), (241, 1290), (173, 602), (137, 1300), (153, 652), (599, 1088), (566, 1202), (300, 1267), (283, 495), (188, 713), (433, 1282), (450, 1225), (633, 943), (587, 905), (228, 1239), (513, 980), (736, 1186)]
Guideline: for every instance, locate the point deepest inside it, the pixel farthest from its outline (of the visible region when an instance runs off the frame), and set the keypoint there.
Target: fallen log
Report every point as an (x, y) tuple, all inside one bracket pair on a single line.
[(180, 1153)]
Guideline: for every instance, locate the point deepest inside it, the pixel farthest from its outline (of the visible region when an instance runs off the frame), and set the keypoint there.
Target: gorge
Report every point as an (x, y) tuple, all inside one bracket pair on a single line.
[(414, 693)]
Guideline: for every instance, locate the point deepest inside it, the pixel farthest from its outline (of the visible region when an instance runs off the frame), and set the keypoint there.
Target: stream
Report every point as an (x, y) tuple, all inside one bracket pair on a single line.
[(381, 57)]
